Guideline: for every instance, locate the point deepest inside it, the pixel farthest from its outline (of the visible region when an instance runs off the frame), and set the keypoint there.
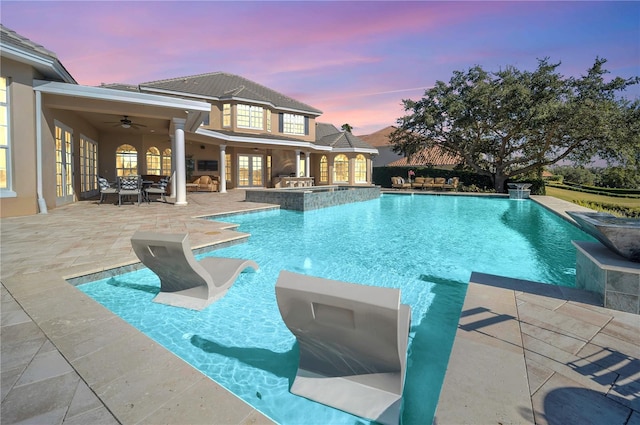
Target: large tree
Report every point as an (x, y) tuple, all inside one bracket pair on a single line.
[(511, 122)]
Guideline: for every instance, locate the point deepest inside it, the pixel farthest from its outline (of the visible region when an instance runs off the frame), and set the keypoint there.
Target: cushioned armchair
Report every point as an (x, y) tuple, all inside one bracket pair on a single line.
[(206, 183), (399, 183)]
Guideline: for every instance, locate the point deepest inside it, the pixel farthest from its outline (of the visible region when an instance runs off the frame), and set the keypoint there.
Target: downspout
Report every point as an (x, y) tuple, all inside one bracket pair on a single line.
[(42, 205)]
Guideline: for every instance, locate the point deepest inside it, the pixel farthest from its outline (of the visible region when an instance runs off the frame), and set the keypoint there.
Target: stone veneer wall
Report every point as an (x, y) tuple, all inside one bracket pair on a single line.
[(313, 198), (616, 279)]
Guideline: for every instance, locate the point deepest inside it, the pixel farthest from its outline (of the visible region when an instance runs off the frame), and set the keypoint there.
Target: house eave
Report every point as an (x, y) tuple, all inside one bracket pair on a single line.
[(101, 93), (356, 150), (47, 66), (229, 98), (262, 141)]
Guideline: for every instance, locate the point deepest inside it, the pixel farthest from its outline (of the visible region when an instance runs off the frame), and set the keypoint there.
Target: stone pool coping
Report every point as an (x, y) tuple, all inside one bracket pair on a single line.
[(67, 359)]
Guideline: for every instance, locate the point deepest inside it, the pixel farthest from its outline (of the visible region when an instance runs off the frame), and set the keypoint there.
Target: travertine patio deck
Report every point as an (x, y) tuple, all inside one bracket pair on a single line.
[(523, 352)]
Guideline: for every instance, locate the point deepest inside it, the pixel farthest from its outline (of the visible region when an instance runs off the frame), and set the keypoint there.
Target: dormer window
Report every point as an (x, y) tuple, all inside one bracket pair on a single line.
[(250, 117)]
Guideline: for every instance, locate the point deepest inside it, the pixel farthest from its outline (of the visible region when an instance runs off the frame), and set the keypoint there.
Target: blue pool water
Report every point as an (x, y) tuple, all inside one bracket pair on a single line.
[(426, 245)]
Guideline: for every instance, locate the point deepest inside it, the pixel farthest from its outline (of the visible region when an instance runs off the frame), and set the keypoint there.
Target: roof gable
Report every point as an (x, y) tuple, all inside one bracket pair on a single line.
[(329, 135), (221, 86)]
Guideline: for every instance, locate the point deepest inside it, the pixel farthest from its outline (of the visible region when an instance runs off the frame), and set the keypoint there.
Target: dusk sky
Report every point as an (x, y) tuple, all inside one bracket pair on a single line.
[(354, 60)]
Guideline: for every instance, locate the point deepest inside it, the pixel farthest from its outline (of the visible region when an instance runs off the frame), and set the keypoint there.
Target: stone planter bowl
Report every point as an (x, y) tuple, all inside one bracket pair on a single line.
[(621, 235)]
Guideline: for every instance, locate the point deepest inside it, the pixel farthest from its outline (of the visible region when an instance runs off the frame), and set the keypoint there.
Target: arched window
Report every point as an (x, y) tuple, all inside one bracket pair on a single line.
[(324, 169), (126, 160), (166, 162), (361, 169), (153, 161), (341, 168)]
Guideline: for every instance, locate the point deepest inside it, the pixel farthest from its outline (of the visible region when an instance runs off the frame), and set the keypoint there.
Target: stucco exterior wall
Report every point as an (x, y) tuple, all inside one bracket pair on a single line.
[(23, 140)]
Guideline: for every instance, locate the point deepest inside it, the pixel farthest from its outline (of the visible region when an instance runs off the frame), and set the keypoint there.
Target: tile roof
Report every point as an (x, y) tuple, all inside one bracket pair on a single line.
[(41, 58), (221, 85), (11, 37), (433, 156), (329, 135), (380, 138), (119, 86)]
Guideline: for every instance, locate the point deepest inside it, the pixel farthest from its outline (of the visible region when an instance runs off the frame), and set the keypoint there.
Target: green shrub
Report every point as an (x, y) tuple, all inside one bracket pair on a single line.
[(617, 210), (618, 193)]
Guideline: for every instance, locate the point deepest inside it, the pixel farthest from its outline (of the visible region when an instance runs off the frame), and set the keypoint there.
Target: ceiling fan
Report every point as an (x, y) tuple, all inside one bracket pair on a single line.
[(125, 122)]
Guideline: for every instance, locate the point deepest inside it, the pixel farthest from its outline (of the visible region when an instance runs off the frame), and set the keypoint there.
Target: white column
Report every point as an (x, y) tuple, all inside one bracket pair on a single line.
[(173, 166), (223, 169), (181, 169), (297, 163), (307, 164)]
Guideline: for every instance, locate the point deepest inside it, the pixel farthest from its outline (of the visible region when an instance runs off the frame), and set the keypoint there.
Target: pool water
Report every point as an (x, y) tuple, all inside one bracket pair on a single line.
[(426, 245)]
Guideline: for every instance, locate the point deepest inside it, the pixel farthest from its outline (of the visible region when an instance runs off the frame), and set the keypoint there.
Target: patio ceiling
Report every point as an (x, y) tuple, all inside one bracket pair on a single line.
[(102, 107), (108, 123)]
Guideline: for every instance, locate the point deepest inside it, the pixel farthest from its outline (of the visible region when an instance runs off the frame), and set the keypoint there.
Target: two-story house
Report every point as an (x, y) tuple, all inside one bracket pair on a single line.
[(57, 137), (261, 135)]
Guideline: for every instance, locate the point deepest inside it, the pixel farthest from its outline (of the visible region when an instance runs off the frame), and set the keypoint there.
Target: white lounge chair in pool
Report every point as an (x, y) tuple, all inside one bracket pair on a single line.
[(184, 281), (353, 344)]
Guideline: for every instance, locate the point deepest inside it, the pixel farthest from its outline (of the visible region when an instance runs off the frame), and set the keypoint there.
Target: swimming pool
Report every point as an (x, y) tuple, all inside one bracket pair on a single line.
[(426, 245)]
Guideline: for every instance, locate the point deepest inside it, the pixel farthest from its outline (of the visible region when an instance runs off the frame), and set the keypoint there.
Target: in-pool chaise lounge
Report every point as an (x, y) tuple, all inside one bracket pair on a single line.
[(353, 344), (184, 281)]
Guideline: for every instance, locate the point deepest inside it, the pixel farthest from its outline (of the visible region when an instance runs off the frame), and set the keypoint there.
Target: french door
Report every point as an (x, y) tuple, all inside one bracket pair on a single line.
[(64, 164), (250, 172), (88, 167)]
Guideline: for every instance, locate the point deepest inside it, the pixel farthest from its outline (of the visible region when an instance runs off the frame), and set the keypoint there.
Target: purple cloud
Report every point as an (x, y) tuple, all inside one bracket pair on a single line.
[(355, 60)]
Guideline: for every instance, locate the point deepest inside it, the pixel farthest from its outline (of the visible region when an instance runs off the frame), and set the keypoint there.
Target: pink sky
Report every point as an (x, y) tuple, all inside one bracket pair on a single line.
[(354, 60)]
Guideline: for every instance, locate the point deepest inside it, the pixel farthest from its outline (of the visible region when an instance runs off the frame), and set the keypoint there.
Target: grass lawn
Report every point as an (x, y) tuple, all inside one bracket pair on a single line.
[(572, 196)]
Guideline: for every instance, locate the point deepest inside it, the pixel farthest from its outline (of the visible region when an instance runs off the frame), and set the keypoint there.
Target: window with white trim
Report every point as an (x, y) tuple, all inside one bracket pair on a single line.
[(88, 165), (361, 169), (250, 116), (226, 115), (5, 142), (126, 161), (293, 124), (153, 161), (269, 120), (341, 169), (228, 167), (166, 162), (324, 169)]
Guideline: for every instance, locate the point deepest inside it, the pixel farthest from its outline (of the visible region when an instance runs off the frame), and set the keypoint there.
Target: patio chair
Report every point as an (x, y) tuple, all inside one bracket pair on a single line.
[(353, 344), (184, 281), (129, 186), (452, 184), (159, 189), (399, 183), (105, 189)]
